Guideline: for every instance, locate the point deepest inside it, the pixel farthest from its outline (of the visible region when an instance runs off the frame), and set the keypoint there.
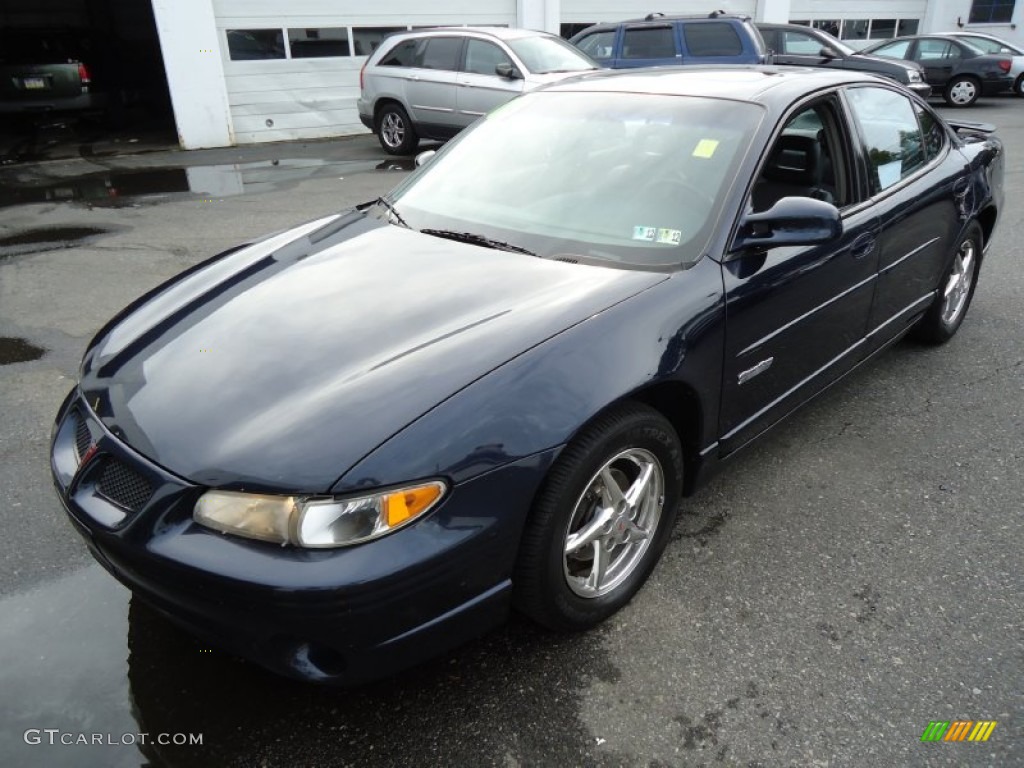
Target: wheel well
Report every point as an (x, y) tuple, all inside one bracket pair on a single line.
[(381, 103), (678, 403), (987, 220)]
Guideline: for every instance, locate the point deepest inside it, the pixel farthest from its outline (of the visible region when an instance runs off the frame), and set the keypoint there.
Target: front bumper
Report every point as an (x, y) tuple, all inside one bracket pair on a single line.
[(921, 89), (339, 616)]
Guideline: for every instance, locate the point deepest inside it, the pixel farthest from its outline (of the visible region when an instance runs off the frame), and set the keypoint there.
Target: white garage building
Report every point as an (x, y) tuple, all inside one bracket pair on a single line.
[(245, 71)]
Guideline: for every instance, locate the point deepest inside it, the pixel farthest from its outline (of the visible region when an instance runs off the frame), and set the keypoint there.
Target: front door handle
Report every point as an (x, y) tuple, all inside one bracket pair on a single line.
[(863, 245)]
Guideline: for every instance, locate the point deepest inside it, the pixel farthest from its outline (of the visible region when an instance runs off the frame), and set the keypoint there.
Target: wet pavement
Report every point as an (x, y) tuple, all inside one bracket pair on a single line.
[(853, 576)]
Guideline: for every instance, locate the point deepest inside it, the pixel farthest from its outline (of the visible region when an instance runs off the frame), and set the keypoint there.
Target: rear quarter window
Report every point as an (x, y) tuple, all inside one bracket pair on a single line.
[(712, 38)]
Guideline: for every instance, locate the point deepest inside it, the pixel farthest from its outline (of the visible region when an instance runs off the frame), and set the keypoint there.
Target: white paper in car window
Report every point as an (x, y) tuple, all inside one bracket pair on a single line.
[(889, 173)]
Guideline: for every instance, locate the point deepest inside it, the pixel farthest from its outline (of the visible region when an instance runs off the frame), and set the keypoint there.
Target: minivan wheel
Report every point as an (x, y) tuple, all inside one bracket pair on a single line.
[(962, 91), (395, 131)]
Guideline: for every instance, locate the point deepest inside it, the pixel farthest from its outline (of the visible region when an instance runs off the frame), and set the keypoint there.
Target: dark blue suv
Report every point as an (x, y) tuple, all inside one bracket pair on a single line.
[(718, 38)]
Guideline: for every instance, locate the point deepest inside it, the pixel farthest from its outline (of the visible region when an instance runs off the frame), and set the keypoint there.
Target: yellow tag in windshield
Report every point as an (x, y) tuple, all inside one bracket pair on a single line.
[(705, 148)]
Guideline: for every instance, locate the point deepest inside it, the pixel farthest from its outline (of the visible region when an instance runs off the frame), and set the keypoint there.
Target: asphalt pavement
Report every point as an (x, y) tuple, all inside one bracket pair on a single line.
[(853, 576)]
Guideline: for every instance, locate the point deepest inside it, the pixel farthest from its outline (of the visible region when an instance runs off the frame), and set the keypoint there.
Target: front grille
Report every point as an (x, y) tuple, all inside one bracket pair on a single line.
[(124, 486), (83, 438)]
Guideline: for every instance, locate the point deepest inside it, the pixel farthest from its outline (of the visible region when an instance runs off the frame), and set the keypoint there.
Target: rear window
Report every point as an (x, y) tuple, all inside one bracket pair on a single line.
[(402, 55), (649, 43), (712, 38)]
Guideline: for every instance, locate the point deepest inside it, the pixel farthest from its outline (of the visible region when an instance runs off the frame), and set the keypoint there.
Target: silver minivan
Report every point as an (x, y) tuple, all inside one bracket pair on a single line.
[(432, 83)]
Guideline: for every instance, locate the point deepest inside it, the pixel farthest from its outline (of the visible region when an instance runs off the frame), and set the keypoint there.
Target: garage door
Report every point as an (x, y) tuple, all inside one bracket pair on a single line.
[(292, 66)]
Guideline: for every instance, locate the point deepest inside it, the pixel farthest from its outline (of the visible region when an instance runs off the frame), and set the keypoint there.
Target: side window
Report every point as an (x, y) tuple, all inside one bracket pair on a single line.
[(482, 57), (800, 44), (934, 135), (649, 43), (806, 160), (894, 50), (598, 45), (892, 140), (402, 55), (934, 50), (439, 53), (712, 38)]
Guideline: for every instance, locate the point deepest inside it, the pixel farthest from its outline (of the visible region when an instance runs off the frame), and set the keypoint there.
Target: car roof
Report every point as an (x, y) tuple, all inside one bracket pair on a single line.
[(503, 33), (652, 19), (765, 84)]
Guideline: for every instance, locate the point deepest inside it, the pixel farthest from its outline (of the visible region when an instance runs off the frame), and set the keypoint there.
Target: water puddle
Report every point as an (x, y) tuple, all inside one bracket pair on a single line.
[(115, 189), (14, 350), (46, 239), (90, 676)]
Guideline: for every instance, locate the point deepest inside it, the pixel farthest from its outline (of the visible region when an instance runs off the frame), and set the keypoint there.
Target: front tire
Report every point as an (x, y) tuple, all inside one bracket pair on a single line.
[(601, 519), (962, 91), (395, 131), (956, 289)]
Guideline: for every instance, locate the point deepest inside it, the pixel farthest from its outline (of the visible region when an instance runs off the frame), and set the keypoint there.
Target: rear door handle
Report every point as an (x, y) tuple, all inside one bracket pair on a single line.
[(863, 245)]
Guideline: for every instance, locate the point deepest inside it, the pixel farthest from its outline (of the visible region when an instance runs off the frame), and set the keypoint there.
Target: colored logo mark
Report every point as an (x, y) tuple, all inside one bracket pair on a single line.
[(959, 730)]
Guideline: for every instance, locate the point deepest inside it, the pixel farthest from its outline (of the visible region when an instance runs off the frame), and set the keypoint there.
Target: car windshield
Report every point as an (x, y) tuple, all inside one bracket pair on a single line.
[(628, 178), (549, 54)]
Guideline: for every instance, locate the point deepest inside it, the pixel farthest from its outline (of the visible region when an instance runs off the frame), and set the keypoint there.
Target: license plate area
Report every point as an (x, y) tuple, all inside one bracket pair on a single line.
[(34, 83)]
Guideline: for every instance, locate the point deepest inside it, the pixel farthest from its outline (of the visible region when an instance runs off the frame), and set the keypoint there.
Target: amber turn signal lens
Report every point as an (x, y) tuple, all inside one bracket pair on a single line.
[(410, 502)]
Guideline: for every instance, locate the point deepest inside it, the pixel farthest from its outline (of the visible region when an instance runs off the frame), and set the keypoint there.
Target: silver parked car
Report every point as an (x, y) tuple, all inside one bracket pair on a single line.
[(992, 44), (432, 83)]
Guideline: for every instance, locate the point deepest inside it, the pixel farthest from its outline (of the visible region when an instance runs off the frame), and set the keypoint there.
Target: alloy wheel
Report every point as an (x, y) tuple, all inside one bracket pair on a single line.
[(958, 285), (613, 522)]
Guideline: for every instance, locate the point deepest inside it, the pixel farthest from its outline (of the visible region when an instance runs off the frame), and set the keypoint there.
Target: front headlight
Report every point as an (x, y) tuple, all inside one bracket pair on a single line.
[(316, 522)]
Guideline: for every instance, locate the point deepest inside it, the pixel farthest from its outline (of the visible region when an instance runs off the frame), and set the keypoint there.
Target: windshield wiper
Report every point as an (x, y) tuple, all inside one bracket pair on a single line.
[(393, 211), (475, 239)]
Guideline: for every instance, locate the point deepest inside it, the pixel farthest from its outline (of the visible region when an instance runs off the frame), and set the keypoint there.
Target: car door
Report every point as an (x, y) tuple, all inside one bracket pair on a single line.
[(481, 88), (938, 57), (797, 316), (648, 45), (430, 88), (918, 186)]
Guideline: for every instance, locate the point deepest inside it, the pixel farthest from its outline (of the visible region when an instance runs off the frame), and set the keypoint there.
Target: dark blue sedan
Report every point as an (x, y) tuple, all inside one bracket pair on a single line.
[(354, 444)]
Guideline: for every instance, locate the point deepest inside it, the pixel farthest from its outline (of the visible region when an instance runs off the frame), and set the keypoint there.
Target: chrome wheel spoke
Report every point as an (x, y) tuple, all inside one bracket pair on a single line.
[(639, 487), (590, 532), (599, 566), (610, 491)]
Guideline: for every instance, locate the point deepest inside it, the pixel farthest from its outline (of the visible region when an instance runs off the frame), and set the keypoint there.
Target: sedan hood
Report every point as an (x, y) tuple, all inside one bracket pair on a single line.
[(281, 365)]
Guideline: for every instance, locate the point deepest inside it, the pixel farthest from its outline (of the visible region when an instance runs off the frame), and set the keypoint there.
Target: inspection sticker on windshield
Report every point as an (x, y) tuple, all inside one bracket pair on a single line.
[(645, 233), (669, 236), (705, 148)]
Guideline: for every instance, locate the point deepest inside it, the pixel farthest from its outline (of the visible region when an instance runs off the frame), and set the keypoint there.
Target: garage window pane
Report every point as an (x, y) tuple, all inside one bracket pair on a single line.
[(649, 43), (712, 39), (907, 27), (367, 39), (883, 29), (319, 42), (855, 29), (254, 44)]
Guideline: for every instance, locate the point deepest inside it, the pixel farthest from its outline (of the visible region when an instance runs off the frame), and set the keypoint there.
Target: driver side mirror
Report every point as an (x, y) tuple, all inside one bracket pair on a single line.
[(828, 52), (791, 221), (425, 157), (508, 71)]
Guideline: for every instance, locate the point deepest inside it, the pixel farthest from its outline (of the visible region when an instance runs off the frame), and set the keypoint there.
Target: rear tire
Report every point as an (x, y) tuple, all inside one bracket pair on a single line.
[(956, 289), (962, 91), (1018, 85), (601, 519), (395, 131)]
